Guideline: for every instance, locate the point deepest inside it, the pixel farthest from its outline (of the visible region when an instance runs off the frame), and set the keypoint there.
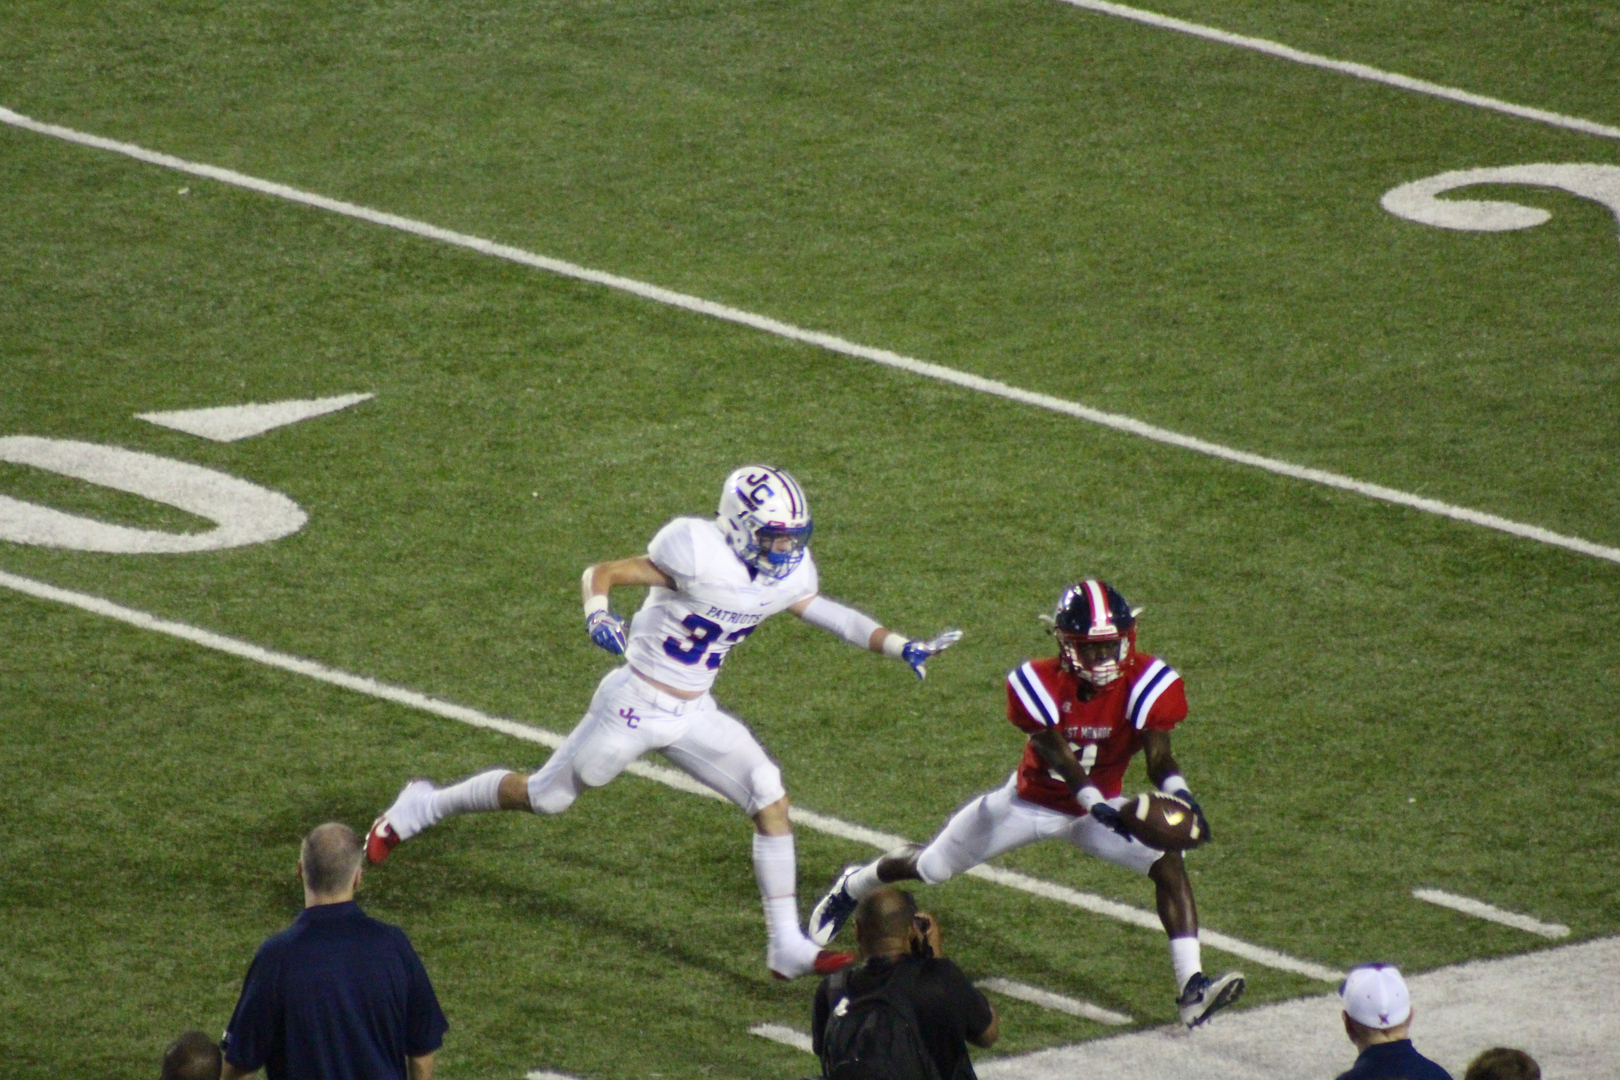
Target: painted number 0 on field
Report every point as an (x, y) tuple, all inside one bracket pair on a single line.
[(1417, 202), (242, 513)]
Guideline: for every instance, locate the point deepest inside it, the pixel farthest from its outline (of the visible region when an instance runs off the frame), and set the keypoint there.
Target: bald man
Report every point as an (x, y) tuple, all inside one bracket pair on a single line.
[(337, 995)]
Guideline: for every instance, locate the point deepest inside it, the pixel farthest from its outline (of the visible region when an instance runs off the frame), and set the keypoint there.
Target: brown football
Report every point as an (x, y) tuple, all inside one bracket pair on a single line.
[(1163, 822)]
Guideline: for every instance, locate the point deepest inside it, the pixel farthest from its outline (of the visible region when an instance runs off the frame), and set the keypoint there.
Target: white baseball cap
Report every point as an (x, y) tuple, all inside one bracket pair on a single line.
[(1375, 996)]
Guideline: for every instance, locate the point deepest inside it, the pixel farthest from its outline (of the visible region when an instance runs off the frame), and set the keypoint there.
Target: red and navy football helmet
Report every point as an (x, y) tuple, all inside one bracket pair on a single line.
[(1096, 631)]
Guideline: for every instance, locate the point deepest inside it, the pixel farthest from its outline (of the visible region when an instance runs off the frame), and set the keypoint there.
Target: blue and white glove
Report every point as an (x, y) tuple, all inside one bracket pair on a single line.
[(918, 653), (607, 631), (1111, 817)]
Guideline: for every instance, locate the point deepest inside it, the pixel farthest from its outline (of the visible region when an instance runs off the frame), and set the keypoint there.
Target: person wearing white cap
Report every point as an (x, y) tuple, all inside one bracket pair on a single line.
[(1377, 1017)]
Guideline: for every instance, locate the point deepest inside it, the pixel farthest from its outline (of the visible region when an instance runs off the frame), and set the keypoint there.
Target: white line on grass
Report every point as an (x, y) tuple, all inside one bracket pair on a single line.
[(1345, 67), (541, 1074), (825, 341), (1056, 1002), (1481, 910), (785, 1035), (671, 777)]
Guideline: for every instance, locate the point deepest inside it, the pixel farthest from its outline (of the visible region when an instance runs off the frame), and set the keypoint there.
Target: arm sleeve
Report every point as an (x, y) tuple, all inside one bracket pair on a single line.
[(846, 622), (255, 1025), (425, 1024), (1029, 704), (674, 552)]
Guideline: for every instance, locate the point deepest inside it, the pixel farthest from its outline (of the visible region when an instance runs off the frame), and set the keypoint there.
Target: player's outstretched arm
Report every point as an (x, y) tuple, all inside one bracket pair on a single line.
[(607, 629), (866, 632)]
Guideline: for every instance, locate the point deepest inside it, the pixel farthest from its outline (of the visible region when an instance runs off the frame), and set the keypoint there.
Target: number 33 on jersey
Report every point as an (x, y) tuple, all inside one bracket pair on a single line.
[(681, 636)]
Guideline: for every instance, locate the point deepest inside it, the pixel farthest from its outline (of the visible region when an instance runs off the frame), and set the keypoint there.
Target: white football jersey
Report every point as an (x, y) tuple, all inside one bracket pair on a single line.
[(681, 636)]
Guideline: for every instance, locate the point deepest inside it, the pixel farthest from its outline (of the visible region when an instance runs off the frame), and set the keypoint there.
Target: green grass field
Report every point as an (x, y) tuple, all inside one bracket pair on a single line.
[(1145, 222)]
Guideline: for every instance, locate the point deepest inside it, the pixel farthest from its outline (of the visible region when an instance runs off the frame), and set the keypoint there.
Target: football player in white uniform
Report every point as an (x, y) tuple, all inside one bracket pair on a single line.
[(711, 582)]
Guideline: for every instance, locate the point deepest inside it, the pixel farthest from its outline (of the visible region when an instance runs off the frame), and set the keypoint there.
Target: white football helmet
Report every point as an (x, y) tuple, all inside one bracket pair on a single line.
[(765, 519)]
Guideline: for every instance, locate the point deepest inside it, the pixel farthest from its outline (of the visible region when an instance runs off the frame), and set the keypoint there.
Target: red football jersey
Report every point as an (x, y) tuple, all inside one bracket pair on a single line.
[(1107, 729)]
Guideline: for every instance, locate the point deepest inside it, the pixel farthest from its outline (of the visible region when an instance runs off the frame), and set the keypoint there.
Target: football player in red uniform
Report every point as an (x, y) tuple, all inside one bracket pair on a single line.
[(1088, 711)]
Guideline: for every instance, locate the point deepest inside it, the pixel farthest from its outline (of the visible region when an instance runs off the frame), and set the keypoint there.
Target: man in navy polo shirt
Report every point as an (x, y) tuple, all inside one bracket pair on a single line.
[(1378, 1017), (337, 995)]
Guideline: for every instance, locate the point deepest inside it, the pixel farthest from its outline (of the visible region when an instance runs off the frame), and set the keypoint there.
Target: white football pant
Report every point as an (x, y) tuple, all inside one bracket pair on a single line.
[(1000, 821), (628, 717)]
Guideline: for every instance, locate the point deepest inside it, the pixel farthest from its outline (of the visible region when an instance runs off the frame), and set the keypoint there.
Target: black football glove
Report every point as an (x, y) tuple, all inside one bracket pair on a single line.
[(1198, 812), (1111, 817)]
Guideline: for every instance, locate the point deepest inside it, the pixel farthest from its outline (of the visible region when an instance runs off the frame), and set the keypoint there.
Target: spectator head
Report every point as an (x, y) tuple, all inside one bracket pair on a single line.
[(193, 1056), (883, 922), (1377, 1007), (1502, 1063), (329, 863)]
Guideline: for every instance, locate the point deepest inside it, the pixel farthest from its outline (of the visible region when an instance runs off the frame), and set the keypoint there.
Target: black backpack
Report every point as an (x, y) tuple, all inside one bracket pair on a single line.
[(876, 1036)]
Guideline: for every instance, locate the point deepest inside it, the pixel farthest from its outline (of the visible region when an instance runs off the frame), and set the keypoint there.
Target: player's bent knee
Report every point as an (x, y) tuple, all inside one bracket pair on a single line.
[(552, 802), (765, 787), (551, 797), (933, 868)]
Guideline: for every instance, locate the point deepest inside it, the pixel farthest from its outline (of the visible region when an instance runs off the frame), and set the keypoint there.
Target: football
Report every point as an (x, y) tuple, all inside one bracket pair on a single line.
[(1163, 822)]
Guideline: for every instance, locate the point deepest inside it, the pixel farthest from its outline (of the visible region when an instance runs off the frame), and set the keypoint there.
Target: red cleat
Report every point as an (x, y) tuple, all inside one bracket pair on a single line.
[(380, 840), (825, 963), (828, 961)]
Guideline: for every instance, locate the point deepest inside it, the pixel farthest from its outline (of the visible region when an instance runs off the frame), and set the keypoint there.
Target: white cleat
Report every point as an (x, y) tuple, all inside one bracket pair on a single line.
[(833, 909), (802, 957), (1203, 997)]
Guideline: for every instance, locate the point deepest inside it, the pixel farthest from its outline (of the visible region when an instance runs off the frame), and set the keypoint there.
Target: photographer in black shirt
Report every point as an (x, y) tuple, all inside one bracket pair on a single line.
[(907, 1011)]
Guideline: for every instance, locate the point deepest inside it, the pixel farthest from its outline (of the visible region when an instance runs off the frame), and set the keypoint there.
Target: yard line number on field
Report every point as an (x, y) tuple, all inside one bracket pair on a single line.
[(1346, 67), (670, 777), (813, 337)]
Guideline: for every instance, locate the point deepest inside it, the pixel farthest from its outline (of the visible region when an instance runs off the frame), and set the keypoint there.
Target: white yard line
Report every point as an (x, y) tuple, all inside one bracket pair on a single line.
[(541, 1074), (1347, 67), (1056, 1002), (1557, 1004), (787, 1036), (1481, 910), (1112, 909), (826, 341), (661, 774)]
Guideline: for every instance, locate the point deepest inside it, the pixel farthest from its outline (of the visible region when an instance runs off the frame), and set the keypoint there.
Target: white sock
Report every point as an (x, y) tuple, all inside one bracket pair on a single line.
[(1185, 958), (776, 869), (473, 795), (865, 881), (782, 923), (776, 865)]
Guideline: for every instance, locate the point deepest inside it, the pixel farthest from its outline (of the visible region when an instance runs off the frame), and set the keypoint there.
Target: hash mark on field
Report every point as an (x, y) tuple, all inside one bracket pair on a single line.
[(671, 777), (1056, 1002), (1346, 67), (768, 325), (785, 1035), (1480, 909)]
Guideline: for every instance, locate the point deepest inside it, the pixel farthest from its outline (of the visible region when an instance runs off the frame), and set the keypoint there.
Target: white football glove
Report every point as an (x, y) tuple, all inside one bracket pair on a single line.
[(918, 653)]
